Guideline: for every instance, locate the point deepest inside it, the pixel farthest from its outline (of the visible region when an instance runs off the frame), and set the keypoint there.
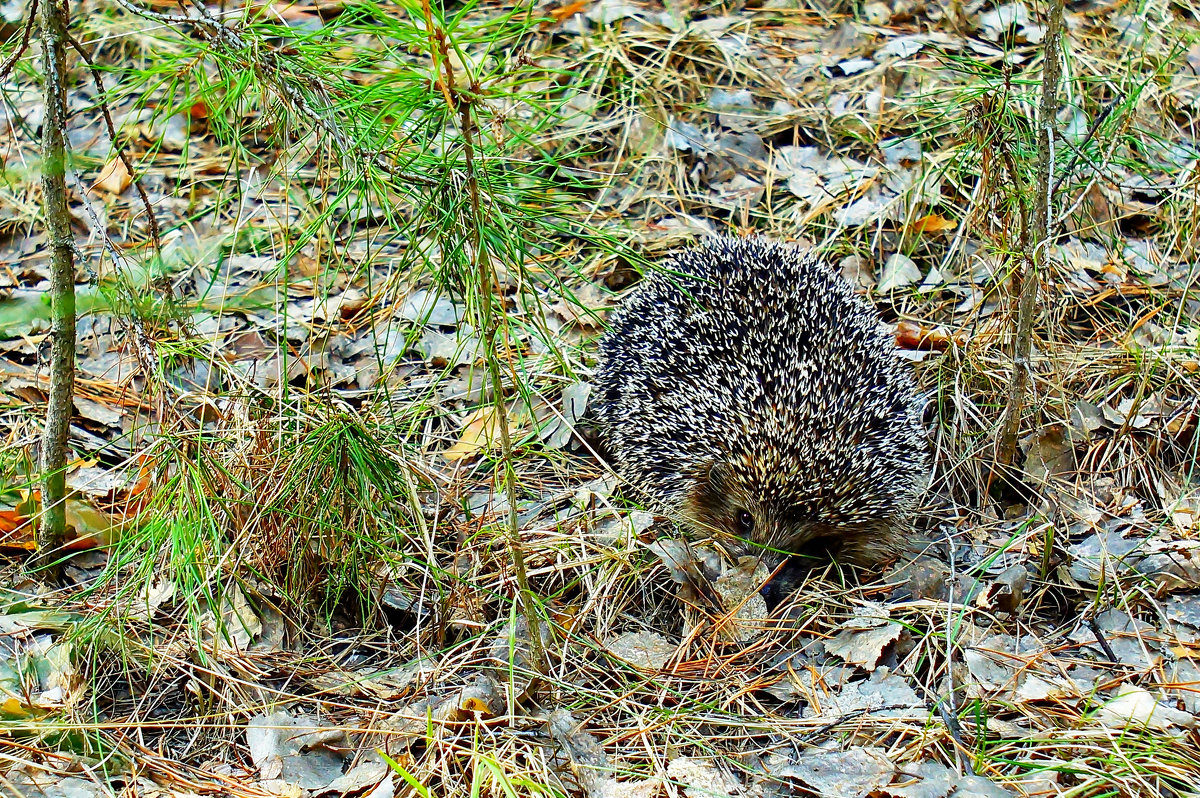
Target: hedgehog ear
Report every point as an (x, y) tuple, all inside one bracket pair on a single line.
[(718, 477), (710, 494)]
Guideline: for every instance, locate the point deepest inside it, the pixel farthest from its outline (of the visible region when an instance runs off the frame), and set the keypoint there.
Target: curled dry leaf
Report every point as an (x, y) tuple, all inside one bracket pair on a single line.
[(235, 623), (855, 773), (482, 698), (864, 646), (511, 651), (645, 650), (864, 637), (910, 335), (857, 271), (738, 589), (1137, 707), (700, 778), (1005, 592), (1021, 669), (556, 428), (114, 177), (884, 695), (296, 750)]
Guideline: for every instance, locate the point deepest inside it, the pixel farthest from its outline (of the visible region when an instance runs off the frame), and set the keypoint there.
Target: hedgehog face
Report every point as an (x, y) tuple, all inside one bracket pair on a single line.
[(717, 503), (725, 504)]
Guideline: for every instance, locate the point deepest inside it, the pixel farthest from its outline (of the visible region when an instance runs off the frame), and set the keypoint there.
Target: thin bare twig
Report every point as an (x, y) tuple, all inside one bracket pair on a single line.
[(112, 136), (1078, 148), (26, 32)]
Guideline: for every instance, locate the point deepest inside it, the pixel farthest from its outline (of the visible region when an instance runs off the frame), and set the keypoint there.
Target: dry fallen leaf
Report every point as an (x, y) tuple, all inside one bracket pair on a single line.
[(477, 432), (481, 432), (884, 695), (702, 777), (854, 773), (645, 650), (114, 177), (1135, 707), (898, 272), (1094, 215), (933, 223), (296, 751), (87, 526), (568, 10), (910, 335), (863, 638)]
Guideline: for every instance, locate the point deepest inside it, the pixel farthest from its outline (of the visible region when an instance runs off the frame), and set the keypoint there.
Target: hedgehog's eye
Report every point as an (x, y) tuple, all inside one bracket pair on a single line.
[(745, 523)]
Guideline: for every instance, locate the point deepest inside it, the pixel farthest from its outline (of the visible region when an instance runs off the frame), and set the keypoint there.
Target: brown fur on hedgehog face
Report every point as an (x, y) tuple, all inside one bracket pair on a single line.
[(722, 504)]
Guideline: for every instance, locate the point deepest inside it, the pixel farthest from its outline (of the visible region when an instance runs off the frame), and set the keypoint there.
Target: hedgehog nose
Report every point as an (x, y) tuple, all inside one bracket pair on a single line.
[(781, 583)]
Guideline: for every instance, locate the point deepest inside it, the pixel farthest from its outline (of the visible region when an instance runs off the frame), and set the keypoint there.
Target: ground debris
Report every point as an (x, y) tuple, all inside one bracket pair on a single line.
[(294, 397)]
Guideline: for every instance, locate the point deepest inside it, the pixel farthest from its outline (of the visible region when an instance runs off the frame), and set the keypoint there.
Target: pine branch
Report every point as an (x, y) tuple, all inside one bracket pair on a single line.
[(1036, 243)]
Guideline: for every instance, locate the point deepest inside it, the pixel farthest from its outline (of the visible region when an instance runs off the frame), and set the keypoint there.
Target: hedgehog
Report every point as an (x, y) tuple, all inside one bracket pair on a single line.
[(746, 391)]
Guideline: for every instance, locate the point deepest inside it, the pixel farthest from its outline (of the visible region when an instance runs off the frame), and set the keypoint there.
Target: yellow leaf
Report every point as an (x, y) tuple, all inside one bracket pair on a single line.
[(568, 10), (478, 431), (481, 432), (13, 709), (933, 223), (92, 527), (475, 704)]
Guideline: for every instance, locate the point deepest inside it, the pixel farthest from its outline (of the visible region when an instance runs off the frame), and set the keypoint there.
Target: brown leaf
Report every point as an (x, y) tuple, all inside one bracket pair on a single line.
[(11, 521), (568, 10), (910, 335), (87, 527), (307, 266), (114, 177), (479, 432), (1095, 214), (92, 527)]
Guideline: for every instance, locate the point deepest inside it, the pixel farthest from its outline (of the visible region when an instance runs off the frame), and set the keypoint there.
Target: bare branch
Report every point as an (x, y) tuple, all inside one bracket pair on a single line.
[(112, 136), (30, 21)]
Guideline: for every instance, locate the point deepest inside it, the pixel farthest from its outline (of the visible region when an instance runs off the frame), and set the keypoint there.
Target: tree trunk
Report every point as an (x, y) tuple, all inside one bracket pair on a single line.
[(51, 532)]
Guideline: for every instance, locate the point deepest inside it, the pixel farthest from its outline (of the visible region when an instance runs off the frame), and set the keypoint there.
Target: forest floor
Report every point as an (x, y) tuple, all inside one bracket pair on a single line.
[(338, 312)]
